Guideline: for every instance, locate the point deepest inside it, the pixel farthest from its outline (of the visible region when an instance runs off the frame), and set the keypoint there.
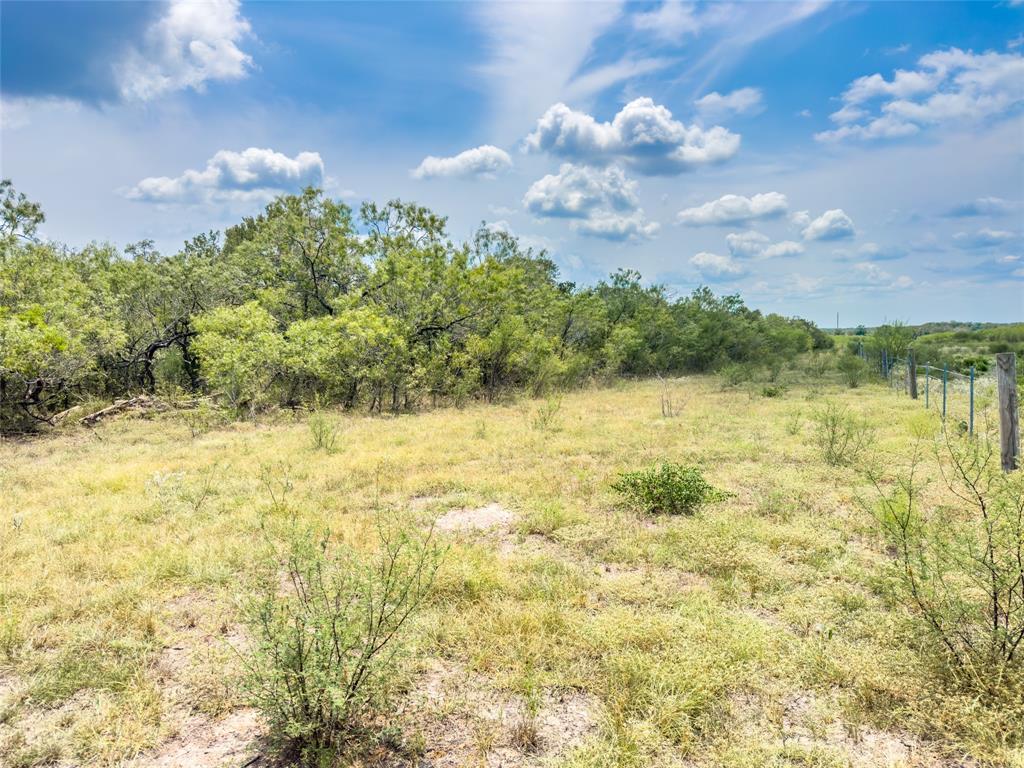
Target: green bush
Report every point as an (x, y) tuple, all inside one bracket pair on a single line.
[(671, 489), (854, 370), (841, 436), (960, 566), (324, 636)]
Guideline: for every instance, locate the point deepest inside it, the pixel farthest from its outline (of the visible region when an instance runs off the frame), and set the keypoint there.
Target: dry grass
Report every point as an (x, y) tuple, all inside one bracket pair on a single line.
[(758, 632)]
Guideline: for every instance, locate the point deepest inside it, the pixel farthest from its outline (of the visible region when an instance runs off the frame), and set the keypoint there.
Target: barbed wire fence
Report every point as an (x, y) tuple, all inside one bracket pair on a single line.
[(959, 397)]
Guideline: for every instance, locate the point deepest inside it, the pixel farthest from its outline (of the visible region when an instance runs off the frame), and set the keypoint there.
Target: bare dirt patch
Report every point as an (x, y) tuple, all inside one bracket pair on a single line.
[(482, 518), (465, 721), (205, 743), (207, 729), (807, 722)]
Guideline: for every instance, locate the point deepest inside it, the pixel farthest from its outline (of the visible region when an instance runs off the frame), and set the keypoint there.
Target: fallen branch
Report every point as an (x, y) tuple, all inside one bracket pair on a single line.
[(120, 406)]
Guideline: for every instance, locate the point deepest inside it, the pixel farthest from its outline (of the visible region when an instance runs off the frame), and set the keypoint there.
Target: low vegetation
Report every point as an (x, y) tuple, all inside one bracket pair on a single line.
[(325, 633), (961, 565), (819, 614), (669, 489), (841, 436)]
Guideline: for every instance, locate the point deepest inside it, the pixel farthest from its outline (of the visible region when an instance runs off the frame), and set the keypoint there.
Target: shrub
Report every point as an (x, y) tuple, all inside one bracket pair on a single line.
[(794, 423), (960, 567), (841, 436), (773, 390), (323, 645), (546, 418), (671, 489), (854, 370), (735, 374), (240, 351), (324, 432)]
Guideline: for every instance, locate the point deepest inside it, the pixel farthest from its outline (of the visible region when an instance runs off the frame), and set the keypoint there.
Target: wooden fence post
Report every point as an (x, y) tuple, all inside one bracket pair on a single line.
[(1009, 413), (912, 376)]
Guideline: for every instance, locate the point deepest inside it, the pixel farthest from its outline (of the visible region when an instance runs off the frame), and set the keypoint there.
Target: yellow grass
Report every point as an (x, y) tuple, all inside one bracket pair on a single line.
[(758, 632)]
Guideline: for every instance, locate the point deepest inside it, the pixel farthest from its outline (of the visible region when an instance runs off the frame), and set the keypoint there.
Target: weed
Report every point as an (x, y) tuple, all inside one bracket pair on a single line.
[(853, 369), (794, 423), (324, 432), (546, 417), (841, 436), (322, 650), (204, 418), (670, 489), (962, 568)]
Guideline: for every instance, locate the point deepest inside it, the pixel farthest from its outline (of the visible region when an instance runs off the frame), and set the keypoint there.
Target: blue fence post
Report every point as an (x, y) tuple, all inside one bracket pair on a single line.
[(971, 426), (945, 378), (927, 382)]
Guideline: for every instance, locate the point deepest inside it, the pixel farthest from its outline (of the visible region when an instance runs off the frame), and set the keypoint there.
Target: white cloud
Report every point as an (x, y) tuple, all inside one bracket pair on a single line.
[(254, 174), (877, 277), (601, 201), (746, 244), (715, 264), (614, 227), (831, 225), (535, 53), (754, 245), (484, 162), (671, 21), (193, 42), (643, 135), (742, 101), (983, 238), (875, 252), (782, 249), (949, 86), (735, 209)]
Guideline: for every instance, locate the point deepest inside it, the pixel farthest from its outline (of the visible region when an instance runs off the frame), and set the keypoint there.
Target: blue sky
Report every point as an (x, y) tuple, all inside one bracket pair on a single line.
[(860, 158)]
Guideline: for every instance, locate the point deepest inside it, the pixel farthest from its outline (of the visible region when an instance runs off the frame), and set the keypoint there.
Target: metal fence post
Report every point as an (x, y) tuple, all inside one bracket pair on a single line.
[(945, 378), (912, 376), (927, 382), (971, 423)]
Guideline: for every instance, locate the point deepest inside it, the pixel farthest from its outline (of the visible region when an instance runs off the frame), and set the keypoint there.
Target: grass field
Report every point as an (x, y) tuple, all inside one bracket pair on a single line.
[(760, 631)]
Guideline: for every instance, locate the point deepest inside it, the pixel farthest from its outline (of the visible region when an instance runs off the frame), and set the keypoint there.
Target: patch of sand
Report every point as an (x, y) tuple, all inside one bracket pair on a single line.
[(479, 519), (467, 722)]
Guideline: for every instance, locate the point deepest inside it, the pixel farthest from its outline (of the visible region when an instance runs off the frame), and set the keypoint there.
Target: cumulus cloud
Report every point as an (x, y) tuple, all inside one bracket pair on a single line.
[(614, 227), (735, 209), (643, 135), (948, 86), (192, 43), (716, 264), (754, 245), (484, 162), (831, 225), (601, 201), (743, 101), (253, 174)]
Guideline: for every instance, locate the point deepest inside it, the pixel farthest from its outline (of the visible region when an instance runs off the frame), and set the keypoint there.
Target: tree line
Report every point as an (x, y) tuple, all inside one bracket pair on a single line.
[(309, 301)]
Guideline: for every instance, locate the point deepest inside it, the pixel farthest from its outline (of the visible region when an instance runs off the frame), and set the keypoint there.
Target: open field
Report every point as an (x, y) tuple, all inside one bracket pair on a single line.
[(761, 631)]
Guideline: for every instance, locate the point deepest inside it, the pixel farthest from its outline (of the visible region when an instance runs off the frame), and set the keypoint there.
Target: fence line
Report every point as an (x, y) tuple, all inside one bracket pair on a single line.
[(1003, 384)]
